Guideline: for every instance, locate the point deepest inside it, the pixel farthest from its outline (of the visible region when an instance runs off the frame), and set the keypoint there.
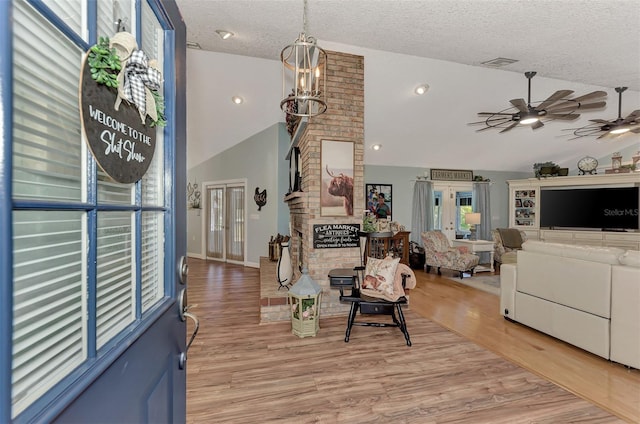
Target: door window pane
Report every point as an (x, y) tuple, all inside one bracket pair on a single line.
[(115, 271), (72, 13), (235, 218), (152, 258), (152, 44), (47, 145), (49, 309)]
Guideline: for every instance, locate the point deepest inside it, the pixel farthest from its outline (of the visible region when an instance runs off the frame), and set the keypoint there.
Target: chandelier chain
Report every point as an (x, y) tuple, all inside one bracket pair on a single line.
[(304, 18)]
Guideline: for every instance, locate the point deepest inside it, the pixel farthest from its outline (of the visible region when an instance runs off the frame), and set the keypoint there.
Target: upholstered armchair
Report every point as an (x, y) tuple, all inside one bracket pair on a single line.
[(439, 253), (506, 243)]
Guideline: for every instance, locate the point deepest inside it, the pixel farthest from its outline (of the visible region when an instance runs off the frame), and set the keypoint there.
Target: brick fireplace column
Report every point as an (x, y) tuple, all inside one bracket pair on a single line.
[(343, 121)]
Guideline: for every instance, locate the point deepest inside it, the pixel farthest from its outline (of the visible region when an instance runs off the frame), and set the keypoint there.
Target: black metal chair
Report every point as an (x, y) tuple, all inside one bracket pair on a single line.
[(345, 278)]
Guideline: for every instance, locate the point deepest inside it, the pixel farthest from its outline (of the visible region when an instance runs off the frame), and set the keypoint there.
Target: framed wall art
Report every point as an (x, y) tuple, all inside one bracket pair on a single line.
[(337, 164), (378, 199)]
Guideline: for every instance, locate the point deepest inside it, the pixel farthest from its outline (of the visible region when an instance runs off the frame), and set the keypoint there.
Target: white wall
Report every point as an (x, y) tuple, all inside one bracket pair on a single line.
[(214, 122)]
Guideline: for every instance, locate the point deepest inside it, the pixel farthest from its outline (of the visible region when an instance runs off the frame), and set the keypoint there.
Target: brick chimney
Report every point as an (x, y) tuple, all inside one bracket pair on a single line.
[(343, 121)]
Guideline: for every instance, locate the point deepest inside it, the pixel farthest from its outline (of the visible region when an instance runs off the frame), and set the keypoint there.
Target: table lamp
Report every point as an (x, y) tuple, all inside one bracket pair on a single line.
[(472, 219)]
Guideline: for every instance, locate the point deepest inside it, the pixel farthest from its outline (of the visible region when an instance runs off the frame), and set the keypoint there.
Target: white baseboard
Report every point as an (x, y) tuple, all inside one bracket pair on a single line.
[(195, 255)]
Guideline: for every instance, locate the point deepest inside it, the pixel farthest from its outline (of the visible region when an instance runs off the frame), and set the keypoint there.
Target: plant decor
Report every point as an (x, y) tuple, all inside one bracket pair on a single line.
[(104, 63)]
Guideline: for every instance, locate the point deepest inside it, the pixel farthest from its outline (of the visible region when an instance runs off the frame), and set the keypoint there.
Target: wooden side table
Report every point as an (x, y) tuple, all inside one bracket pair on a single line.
[(379, 244), (477, 246)]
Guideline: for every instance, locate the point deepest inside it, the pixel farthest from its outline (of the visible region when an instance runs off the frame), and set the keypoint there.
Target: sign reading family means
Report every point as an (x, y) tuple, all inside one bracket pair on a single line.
[(326, 236), (122, 145)]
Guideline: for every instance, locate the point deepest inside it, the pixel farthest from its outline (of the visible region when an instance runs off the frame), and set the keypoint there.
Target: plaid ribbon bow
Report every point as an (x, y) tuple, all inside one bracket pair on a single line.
[(138, 75)]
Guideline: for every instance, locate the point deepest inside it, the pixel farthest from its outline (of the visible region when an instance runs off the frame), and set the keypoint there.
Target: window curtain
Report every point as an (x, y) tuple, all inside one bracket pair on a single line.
[(482, 204), (422, 210)]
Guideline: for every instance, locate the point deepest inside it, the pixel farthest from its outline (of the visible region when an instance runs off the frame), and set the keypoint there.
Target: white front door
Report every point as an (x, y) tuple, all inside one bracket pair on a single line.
[(452, 201)]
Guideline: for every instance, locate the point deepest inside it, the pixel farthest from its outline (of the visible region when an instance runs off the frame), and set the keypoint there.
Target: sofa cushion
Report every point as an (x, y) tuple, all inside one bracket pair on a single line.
[(579, 284), (605, 255), (630, 258), (511, 238)]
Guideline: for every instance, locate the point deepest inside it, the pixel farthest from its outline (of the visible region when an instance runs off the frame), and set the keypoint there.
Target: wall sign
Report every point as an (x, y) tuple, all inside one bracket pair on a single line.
[(451, 175), (118, 93), (330, 236)]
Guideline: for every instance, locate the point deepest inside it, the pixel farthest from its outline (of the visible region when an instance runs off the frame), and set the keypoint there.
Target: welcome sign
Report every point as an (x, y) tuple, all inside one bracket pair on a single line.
[(121, 143)]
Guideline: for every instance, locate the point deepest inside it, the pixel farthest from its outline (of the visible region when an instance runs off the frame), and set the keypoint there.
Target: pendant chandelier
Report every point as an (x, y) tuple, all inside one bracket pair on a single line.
[(304, 66)]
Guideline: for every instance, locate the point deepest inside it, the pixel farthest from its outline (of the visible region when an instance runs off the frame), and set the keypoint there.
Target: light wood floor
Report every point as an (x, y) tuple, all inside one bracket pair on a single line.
[(467, 364)]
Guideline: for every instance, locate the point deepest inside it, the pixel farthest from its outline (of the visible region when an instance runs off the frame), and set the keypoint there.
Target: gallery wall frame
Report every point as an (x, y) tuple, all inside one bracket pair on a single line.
[(371, 193), (337, 171)]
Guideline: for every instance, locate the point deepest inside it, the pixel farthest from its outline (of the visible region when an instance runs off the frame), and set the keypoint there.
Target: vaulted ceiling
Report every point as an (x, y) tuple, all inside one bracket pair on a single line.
[(580, 45)]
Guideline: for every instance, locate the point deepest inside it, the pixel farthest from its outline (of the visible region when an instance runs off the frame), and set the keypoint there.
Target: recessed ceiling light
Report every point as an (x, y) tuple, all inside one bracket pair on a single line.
[(421, 89), (224, 34), (376, 146), (237, 100)]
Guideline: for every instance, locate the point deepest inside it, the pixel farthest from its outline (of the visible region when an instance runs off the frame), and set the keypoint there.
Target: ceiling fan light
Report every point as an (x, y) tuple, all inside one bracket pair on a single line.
[(529, 120), (619, 130)]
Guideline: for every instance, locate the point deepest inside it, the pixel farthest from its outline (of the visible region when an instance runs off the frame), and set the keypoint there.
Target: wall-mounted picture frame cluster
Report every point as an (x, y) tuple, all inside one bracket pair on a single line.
[(378, 200)]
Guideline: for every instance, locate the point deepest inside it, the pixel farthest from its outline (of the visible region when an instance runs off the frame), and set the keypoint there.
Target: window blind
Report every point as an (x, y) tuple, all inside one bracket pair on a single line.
[(47, 146), (72, 13), (115, 270), (49, 335), (152, 258)]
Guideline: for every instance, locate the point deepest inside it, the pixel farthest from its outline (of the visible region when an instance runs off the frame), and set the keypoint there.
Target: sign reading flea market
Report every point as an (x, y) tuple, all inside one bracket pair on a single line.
[(116, 127), (327, 236)]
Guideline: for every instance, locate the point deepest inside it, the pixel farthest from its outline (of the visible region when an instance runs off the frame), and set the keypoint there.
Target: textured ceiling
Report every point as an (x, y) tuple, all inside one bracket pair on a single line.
[(594, 42), (580, 45)]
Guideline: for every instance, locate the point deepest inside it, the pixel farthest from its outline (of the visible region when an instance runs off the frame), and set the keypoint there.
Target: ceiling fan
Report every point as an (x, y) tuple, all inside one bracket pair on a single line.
[(614, 128), (556, 106)]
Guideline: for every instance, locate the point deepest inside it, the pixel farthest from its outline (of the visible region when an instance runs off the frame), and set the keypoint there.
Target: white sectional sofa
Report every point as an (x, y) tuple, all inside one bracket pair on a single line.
[(585, 295)]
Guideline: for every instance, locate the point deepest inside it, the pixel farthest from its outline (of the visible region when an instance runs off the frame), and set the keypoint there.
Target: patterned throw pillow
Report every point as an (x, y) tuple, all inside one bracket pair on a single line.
[(379, 274)]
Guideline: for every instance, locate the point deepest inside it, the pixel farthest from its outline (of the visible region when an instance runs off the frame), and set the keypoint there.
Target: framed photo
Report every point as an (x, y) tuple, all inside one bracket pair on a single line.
[(378, 199), (337, 163)]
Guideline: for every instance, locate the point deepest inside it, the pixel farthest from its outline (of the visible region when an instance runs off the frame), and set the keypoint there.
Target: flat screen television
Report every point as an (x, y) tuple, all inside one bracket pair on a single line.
[(611, 208)]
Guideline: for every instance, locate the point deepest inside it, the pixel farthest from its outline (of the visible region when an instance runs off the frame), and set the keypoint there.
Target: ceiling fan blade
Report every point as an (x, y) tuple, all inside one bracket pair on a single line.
[(636, 131), (520, 104), (632, 116), (494, 113), (606, 135), (564, 117), (590, 96), (600, 121), (537, 124), (482, 129), (570, 106), (553, 98), (509, 127)]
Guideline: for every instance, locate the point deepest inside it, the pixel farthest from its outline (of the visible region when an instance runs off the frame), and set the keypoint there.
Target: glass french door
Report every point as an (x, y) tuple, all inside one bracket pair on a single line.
[(451, 202), (226, 216)]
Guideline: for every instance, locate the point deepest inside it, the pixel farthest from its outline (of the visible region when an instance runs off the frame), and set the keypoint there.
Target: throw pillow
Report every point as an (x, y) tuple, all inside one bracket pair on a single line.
[(379, 274), (511, 238)]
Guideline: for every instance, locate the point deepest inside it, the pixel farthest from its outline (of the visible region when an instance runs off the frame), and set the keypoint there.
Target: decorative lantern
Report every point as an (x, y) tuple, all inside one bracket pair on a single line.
[(305, 297)]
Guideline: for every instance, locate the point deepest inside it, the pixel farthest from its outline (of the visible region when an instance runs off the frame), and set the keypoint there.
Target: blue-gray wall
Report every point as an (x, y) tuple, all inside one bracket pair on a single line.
[(260, 161)]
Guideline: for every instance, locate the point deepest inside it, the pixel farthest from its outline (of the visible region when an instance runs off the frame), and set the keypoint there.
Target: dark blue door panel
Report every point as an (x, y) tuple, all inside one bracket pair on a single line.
[(144, 385)]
